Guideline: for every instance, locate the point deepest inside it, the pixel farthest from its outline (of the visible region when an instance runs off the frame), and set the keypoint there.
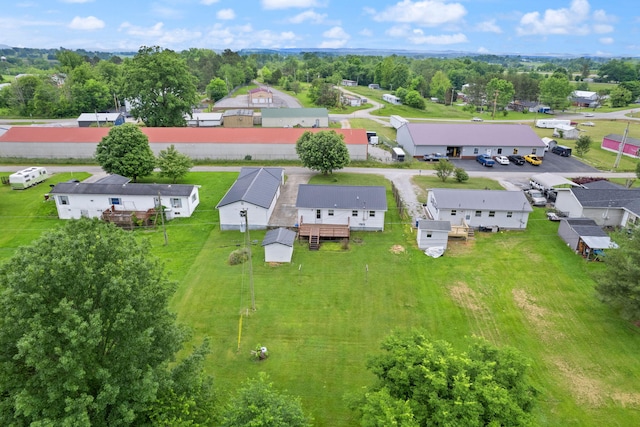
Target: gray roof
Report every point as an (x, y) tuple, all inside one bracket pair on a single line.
[(281, 235), (628, 198), (477, 135), (618, 138), (113, 179), (257, 186), (499, 200), (102, 117), (229, 113), (342, 197), (551, 180), (585, 227), (428, 224), (603, 184), (167, 190), (278, 113)]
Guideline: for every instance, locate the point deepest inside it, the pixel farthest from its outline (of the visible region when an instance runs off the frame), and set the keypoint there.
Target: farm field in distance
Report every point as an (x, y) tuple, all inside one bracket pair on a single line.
[(324, 314)]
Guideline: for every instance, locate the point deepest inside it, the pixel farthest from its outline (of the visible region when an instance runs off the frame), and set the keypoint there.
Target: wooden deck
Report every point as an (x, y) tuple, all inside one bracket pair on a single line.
[(315, 232)]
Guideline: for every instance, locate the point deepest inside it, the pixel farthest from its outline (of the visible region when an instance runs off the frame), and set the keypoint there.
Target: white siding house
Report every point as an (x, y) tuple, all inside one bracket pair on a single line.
[(360, 207), (433, 234), (480, 208), (79, 199), (278, 245), (608, 207), (255, 192)]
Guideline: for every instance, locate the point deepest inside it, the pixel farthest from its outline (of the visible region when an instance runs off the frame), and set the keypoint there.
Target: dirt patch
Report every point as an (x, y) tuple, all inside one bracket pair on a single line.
[(466, 297), (536, 315), (627, 399), (459, 247), (587, 391), (397, 249)]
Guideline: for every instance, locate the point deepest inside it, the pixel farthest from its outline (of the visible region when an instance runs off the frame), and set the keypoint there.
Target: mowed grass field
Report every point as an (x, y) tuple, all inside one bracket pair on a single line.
[(324, 314)]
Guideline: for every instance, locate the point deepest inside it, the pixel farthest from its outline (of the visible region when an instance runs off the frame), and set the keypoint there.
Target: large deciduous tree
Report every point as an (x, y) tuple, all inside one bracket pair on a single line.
[(425, 382), (324, 151), (160, 87), (217, 89), (555, 92), (173, 164), (125, 151), (500, 92), (87, 336)]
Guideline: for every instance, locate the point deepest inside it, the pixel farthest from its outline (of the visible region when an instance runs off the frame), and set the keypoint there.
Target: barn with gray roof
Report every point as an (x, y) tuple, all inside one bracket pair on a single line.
[(255, 192), (466, 141)]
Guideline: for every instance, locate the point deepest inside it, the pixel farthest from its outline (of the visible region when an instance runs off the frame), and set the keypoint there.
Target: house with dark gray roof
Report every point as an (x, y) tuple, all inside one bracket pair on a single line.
[(467, 141), (585, 237), (255, 193), (479, 208), (359, 207), (278, 245), (292, 117), (608, 207), (114, 192)]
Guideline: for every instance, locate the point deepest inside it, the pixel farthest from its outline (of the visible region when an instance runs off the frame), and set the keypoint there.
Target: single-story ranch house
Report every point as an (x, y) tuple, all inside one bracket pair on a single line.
[(612, 142), (115, 193), (255, 192), (291, 117), (358, 207), (479, 208), (606, 206), (197, 142), (466, 141)]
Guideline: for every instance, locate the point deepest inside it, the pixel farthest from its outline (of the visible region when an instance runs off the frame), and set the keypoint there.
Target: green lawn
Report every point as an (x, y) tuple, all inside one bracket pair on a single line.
[(323, 315)]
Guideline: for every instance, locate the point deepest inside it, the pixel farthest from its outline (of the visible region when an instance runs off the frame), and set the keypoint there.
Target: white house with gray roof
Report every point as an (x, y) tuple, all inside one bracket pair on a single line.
[(278, 245), (291, 117), (608, 207), (90, 199), (256, 192), (480, 208), (466, 141), (360, 207)]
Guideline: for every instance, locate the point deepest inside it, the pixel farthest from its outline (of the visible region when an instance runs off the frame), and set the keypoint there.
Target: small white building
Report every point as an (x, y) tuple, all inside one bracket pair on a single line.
[(100, 119), (76, 200), (254, 194), (392, 99), (28, 177), (278, 245), (204, 119), (433, 234), (566, 132), (346, 82)]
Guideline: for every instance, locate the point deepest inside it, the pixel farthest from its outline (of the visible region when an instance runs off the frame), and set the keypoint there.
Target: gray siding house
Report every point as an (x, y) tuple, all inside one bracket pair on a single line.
[(466, 141), (278, 245), (608, 207), (480, 208), (290, 117), (433, 234)]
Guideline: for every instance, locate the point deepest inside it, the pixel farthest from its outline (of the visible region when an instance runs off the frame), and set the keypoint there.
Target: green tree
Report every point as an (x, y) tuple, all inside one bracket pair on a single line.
[(217, 89), (86, 333), (323, 93), (583, 145), (500, 92), (160, 87), (444, 169), (173, 164), (461, 175), (379, 409), (125, 151), (620, 97), (439, 85), (91, 96), (555, 92), (324, 151), (258, 404), (414, 99), (482, 386)]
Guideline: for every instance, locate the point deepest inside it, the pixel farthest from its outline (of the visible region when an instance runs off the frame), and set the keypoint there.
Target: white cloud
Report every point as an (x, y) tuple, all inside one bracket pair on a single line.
[(208, 2), (425, 13), (366, 32), (166, 12), (286, 4), (226, 14), (603, 28), (335, 33), (418, 37), (332, 44), (158, 35), (573, 20), (606, 40), (77, 1), (337, 36), (483, 50), (398, 31), (245, 36), (308, 15), (489, 27), (88, 23)]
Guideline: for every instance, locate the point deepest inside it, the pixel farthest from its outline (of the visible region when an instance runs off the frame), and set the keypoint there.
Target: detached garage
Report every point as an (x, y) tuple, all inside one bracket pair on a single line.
[(278, 245)]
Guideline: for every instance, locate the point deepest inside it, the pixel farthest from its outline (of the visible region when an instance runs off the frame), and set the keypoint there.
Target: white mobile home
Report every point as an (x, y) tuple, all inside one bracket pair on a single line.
[(552, 123), (28, 177), (392, 99)]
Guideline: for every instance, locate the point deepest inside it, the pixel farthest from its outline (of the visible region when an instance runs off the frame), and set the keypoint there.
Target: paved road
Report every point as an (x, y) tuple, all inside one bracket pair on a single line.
[(280, 100)]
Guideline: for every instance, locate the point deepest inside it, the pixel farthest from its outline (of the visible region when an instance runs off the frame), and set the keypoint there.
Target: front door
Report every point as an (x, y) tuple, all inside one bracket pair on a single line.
[(318, 216)]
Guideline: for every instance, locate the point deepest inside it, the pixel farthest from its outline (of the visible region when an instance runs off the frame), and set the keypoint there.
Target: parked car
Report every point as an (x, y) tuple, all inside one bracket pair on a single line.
[(533, 159), (485, 160), (434, 157), (552, 216), (536, 197), (589, 115), (517, 159), (561, 150), (590, 124), (503, 160), (476, 119)]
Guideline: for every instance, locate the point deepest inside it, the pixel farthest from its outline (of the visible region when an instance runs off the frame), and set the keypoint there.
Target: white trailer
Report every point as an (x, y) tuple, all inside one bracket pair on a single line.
[(552, 123), (28, 177), (397, 121)]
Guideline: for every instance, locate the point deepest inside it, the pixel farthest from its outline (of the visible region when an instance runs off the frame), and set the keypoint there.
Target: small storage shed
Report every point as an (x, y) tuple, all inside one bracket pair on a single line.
[(237, 118), (585, 237), (204, 119), (433, 234), (566, 132), (278, 245), (86, 120)]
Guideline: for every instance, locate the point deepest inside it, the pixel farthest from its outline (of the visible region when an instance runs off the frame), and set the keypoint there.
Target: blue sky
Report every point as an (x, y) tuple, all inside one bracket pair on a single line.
[(576, 27)]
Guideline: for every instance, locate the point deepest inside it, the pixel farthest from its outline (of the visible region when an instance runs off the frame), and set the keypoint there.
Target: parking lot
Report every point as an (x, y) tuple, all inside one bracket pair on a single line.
[(551, 163)]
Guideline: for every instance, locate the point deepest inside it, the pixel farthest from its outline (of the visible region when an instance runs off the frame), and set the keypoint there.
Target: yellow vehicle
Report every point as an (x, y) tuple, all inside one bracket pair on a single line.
[(533, 159)]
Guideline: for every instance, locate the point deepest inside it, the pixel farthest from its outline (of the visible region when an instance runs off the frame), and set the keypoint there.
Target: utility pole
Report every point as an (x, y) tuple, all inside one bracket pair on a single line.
[(164, 229), (495, 102), (621, 148), (244, 213)]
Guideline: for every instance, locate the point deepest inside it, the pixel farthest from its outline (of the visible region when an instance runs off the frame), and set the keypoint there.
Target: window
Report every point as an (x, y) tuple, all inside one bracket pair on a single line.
[(515, 151), (499, 150), (372, 214), (453, 212), (354, 213), (533, 150), (330, 213), (176, 202), (64, 200), (115, 201), (492, 214), (478, 213), (194, 197), (428, 235), (475, 151), (509, 214), (318, 214)]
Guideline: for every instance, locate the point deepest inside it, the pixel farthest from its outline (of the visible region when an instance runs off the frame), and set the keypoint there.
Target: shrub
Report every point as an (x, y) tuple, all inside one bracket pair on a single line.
[(239, 256), (461, 175)]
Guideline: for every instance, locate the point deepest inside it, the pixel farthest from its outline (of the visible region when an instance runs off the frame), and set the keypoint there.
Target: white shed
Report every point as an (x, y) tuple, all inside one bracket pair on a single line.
[(278, 245), (433, 234), (204, 119), (566, 132)]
